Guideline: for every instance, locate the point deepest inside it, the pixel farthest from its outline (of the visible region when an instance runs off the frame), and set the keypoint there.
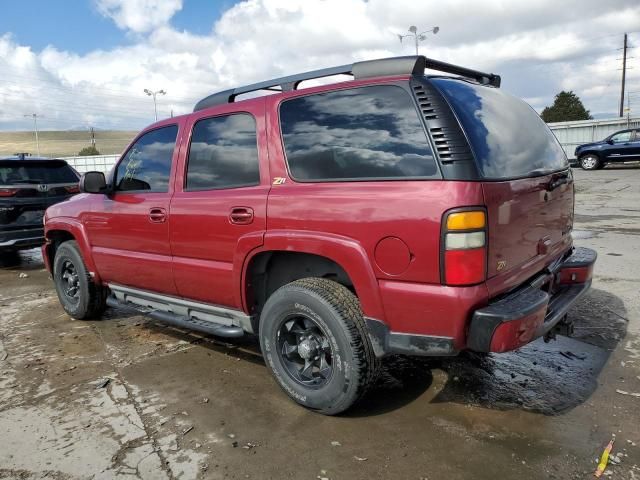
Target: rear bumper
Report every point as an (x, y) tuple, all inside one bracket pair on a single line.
[(20, 239), (534, 310)]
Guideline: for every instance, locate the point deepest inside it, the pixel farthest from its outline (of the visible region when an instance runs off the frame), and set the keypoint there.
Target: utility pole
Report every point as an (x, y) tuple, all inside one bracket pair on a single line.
[(35, 129), (93, 137), (624, 72)]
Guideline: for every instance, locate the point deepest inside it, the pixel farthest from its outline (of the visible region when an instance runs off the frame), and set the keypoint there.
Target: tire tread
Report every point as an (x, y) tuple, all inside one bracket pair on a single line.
[(96, 303), (348, 308)]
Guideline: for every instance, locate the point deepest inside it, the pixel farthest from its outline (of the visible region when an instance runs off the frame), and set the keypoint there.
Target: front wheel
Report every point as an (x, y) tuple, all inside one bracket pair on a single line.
[(590, 162), (79, 295), (314, 341)]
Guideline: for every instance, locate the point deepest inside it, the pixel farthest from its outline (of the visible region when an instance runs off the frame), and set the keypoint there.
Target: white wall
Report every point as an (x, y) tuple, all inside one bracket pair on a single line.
[(99, 163)]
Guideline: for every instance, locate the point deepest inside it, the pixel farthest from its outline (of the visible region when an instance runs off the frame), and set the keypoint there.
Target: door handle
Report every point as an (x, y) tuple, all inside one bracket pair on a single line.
[(241, 216), (157, 215)]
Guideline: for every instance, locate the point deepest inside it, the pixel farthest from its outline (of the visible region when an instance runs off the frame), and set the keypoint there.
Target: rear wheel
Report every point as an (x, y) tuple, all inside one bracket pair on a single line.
[(590, 162), (79, 295), (314, 340)]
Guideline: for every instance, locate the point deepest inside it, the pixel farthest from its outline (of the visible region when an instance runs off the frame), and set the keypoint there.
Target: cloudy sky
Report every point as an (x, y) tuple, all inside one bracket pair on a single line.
[(86, 62)]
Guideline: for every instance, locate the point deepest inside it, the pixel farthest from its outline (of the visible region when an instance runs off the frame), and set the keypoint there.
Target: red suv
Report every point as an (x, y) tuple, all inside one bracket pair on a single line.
[(395, 213)]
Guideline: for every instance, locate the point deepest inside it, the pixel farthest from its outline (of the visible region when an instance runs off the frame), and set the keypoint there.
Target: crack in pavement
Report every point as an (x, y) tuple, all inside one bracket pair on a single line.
[(149, 435)]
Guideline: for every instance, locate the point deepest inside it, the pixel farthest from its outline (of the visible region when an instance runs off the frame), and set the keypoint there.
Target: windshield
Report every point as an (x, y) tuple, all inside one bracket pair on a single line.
[(16, 172), (508, 137)]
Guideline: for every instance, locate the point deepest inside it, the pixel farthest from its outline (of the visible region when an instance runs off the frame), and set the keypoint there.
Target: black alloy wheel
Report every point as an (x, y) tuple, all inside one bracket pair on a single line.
[(80, 296), (71, 281), (305, 351)]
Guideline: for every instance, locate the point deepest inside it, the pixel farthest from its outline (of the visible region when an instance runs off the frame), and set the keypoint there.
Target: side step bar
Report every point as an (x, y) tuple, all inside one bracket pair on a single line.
[(211, 319)]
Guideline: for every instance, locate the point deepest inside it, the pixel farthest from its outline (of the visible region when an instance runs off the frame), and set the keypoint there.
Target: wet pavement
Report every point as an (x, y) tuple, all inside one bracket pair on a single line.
[(126, 397)]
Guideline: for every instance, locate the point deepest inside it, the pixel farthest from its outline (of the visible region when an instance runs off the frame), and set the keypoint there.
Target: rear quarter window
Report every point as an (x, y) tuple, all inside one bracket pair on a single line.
[(507, 136), (367, 133)]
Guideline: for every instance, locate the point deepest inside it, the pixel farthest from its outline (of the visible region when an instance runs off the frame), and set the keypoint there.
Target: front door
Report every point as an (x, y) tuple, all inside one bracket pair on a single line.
[(218, 211), (623, 147), (635, 146), (129, 229)]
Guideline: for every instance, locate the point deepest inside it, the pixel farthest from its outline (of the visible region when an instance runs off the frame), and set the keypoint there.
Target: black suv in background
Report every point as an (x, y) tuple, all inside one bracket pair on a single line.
[(622, 146), (28, 185)]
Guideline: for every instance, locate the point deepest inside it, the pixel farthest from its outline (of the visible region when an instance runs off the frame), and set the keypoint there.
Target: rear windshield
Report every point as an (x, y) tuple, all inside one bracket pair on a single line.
[(17, 172), (508, 137)]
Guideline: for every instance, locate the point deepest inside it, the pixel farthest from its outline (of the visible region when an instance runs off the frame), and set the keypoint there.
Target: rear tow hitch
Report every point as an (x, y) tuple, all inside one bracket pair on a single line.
[(564, 327)]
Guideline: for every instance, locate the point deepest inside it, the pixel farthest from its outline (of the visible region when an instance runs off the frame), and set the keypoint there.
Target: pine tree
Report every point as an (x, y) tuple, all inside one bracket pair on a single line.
[(566, 106)]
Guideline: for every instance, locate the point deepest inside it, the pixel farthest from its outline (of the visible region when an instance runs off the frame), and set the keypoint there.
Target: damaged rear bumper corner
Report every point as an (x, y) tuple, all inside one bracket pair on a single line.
[(531, 312)]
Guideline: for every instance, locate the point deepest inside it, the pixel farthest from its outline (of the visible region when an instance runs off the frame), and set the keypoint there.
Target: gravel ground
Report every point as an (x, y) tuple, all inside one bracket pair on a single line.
[(129, 398)]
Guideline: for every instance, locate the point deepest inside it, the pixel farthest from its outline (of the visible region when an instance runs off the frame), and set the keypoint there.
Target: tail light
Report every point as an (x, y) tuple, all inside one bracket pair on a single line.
[(8, 192), (73, 189), (464, 247)]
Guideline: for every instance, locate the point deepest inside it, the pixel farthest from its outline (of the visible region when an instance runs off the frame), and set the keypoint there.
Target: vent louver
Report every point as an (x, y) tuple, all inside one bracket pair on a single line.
[(448, 138)]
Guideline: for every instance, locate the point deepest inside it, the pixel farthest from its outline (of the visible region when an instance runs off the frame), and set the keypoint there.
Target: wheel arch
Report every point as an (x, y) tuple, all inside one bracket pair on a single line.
[(304, 254), (60, 230), (591, 152)]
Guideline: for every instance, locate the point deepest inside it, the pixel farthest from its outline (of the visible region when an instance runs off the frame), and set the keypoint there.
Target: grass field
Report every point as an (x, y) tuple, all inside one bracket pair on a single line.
[(63, 144)]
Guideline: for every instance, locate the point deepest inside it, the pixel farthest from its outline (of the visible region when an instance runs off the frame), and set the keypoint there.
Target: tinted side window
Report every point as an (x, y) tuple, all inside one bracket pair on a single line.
[(147, 164), (621, 137), (223, 153), (356, 134)]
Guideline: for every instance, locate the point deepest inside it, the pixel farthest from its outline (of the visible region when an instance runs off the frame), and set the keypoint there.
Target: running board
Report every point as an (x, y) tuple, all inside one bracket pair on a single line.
[(203, 317)]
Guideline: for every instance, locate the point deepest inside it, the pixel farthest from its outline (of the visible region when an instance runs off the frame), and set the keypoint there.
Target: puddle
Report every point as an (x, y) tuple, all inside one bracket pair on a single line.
[(582, 234), (546, 378)]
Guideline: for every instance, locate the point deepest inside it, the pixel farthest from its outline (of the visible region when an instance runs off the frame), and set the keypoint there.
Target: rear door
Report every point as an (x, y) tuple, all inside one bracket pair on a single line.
[(128, 229), (527, 184), (27, 188), (218, 212)]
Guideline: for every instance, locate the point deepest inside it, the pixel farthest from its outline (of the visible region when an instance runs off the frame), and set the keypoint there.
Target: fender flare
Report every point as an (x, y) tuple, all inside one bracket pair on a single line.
[(77, 230), (597, 153), (344, 251)]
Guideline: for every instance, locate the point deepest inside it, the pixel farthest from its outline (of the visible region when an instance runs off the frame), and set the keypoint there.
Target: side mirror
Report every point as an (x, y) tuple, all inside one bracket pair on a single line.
[(610, 141), (93, 182)]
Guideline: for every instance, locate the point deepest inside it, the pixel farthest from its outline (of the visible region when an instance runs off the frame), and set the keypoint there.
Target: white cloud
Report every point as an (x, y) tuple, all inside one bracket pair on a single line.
[(539, 47), (139, 15)]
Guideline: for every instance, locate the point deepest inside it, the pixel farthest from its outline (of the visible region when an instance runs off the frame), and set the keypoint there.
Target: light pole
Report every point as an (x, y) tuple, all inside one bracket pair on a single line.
[(418, 37), (35, 129), (153, 94)]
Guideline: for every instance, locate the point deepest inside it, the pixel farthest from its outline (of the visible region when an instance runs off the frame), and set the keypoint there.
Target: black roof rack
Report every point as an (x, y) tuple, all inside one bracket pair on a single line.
[(411, 65)]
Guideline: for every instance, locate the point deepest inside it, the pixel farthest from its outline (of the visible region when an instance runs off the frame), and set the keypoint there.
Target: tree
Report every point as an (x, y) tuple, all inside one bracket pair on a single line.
[(566, 106), (91, 150)]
